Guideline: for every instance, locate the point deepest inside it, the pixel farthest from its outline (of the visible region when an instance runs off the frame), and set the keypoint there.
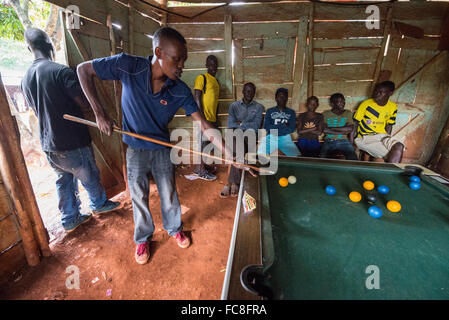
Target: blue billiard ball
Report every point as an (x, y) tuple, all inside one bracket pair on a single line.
[(375, 212), (414, 185), (383, 189), (330, 190), (415, 179)]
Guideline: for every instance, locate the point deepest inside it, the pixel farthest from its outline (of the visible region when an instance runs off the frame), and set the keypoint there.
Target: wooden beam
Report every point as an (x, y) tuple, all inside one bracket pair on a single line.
[(238, 62), (228, 54), (299, 77), (286, 11), (442, 141), (408, 30), (310, 73), (444, 40), (289, 56), (164, 14), (9, 157), (411, 43), (131, 27), (380, 56), (118, 110), (152, 13)]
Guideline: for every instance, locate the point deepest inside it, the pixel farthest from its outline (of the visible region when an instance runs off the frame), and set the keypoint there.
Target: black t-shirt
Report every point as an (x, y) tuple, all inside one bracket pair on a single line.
[(307, 123), (49, 88)]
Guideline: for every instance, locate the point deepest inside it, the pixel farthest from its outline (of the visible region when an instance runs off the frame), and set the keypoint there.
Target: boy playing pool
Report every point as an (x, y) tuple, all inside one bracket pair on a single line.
[(152, 93)]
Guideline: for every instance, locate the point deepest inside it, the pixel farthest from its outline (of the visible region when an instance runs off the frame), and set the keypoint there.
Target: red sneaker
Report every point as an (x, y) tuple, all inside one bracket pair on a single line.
[(182, 240), (142, 253)]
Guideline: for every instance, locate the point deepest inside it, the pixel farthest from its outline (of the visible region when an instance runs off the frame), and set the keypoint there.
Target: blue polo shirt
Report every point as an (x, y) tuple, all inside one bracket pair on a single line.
[(143, 112)]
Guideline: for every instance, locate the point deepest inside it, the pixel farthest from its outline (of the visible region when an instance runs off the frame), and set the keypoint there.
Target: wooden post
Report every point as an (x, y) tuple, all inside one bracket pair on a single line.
[(164, 14), (238, 62), (117, 96), (25, 228), (228, 55), (299, 75), (131, 27), (10, 157), (310, 52), (380, 56), (442, 141), (113, 52)]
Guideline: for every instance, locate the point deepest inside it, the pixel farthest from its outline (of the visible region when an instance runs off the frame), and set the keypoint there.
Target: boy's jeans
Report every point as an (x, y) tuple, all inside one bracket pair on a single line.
[(342, 145), (141, 164), (71, 166), (284, 143)]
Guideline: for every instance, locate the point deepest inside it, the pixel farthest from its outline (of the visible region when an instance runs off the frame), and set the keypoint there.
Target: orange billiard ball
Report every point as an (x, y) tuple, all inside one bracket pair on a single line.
[(368, 185), (355, 196), (393, 206), (283, 182)]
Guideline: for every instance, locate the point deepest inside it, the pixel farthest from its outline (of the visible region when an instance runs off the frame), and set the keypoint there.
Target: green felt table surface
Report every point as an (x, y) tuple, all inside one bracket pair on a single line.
[(318, 246)]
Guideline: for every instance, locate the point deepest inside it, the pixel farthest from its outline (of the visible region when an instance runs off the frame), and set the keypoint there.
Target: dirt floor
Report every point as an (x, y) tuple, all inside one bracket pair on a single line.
[(103, 248)]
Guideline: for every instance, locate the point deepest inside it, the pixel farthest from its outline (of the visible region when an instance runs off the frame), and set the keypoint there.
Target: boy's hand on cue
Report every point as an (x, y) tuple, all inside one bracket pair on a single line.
[(105, 124)]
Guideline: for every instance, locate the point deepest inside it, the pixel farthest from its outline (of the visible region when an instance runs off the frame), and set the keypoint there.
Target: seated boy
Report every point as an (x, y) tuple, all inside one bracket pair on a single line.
[(309, 126), (374, 121), (245, 114), (338, 125), (284, 120)]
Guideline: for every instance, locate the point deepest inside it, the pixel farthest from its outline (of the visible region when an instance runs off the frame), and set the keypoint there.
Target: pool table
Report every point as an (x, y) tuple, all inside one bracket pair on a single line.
[(301, 243)]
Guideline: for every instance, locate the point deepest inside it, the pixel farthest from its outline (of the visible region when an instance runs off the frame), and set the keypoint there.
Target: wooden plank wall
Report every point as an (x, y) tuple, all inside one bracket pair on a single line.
[(277, 45), (12, 255), (309, 48)]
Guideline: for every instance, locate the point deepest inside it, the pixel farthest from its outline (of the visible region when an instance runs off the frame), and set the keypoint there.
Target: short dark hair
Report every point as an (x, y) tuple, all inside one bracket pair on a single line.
[(37, 39), (335, 96), (249, 84), (279, 90), (166, 33), (312, 98), (388, 84), (211, 57)]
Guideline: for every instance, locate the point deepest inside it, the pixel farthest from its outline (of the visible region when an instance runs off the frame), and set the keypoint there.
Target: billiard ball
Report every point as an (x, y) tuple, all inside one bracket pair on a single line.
[(414, 185), (393, 206), (375, 212), (368, 185), (330, 190), (383, 189), (415, 179), (371, 198), (355, 196), (292, 179), (283, 182)]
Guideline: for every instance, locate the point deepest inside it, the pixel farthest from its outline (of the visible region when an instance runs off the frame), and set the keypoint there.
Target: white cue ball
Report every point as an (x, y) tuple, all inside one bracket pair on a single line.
[(292, 179)]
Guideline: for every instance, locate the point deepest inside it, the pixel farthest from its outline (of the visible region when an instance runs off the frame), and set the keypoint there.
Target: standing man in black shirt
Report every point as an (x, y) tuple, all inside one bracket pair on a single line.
[(52, 90)]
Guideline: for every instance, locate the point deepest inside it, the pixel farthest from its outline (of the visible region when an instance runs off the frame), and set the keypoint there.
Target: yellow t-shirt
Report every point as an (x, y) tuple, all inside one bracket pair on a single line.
[(374, 118), (210, 98)]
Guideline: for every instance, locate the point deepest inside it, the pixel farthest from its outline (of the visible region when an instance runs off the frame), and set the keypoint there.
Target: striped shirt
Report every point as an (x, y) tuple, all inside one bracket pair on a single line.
[(373, 118)]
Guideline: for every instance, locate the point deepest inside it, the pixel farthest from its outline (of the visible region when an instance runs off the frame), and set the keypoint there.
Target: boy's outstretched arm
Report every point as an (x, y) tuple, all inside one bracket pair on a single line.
[(86, 75)]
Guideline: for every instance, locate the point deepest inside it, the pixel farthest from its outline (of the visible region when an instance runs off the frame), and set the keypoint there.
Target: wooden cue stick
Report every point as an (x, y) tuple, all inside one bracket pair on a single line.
[(138, 136)]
